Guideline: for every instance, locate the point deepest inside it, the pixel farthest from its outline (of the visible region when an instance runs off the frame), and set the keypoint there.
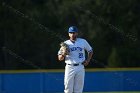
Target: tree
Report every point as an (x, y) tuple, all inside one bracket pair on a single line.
[(114, 59)]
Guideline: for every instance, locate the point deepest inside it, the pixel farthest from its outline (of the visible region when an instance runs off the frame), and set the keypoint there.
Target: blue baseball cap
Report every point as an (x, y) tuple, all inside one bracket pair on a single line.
[(73, 29)]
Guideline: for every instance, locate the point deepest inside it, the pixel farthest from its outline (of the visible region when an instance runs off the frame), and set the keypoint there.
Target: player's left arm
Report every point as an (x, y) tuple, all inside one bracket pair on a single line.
[(89, 56), (89, 50)]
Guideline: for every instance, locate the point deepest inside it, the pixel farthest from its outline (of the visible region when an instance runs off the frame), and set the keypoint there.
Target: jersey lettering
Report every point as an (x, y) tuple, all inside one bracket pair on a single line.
[(75, 49), (80, 55)]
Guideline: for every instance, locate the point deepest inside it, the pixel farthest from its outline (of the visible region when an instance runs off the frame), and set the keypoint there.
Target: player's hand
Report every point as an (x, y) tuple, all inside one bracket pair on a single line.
[(85, 63), (61, 57)]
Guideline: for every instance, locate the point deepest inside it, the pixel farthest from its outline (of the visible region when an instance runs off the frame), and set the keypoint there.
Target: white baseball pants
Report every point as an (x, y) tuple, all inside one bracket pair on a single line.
[(74, 78)]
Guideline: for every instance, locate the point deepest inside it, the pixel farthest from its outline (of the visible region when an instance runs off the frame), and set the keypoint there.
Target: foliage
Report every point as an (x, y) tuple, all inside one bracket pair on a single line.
[(33, 30)]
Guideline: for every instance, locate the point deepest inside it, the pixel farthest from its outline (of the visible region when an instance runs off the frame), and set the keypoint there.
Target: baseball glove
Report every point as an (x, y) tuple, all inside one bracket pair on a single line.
[(64, 50)]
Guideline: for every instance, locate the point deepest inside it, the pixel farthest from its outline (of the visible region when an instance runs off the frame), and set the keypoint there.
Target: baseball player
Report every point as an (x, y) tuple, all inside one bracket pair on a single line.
[(75, 61)]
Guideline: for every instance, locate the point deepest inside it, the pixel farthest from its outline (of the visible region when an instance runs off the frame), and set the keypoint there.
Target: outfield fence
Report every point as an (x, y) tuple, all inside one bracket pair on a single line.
[(51, 81)]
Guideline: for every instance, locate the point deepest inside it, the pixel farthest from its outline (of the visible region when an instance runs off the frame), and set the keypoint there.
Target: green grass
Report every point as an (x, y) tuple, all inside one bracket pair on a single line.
[(113, 92), (109, 92)]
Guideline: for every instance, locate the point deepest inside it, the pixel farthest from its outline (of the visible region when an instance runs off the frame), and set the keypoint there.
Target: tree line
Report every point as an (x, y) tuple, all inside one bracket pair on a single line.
[(31, 31)]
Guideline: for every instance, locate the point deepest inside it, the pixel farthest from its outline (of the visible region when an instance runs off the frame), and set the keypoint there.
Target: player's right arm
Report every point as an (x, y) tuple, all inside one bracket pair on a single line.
[(61, 55), (62, 51)]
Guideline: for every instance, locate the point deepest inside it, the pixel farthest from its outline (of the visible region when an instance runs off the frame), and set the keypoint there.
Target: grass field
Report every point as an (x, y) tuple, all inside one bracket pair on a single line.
[(110, 92), (114, 92)]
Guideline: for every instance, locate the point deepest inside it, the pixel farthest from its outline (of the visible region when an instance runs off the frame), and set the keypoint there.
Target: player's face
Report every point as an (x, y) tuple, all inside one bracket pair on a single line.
[(73, 35)]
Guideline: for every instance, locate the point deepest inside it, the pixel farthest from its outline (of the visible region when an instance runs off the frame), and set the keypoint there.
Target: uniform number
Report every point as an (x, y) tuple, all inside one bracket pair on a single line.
[(80, 55)]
